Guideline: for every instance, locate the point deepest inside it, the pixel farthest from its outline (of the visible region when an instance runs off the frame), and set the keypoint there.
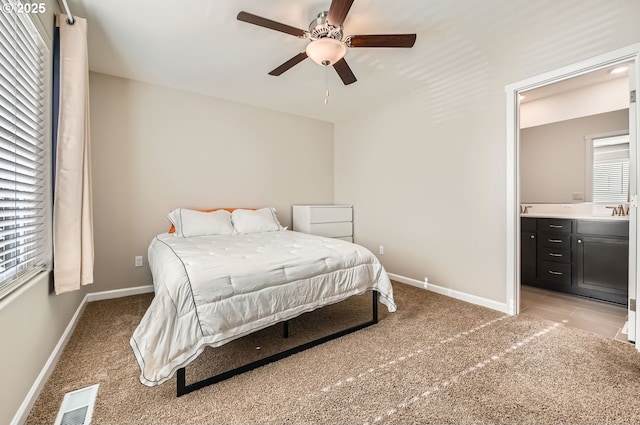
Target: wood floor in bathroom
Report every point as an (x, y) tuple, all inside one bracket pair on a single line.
[(599, 317)]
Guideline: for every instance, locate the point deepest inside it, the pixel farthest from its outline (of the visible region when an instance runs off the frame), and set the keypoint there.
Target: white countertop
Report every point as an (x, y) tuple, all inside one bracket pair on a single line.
[(580, 211), (575, 216)]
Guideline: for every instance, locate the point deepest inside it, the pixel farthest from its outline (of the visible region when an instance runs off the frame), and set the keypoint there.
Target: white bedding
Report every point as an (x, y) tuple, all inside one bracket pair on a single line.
[(210, 290)]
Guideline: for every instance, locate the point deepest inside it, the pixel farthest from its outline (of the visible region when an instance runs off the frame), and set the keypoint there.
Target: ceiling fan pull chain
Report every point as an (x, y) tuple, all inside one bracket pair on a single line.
[(326, 85)]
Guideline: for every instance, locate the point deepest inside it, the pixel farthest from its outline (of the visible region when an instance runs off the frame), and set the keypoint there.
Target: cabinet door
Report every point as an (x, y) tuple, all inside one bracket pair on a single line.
[(528, 248), (601, 264), (528, 224)]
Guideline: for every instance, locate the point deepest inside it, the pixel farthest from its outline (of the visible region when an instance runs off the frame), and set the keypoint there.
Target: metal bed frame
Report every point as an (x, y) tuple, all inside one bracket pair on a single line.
[(183, 388)]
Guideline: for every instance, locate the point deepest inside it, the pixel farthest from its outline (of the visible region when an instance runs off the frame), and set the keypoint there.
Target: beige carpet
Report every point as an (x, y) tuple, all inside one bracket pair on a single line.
[(436, 360)]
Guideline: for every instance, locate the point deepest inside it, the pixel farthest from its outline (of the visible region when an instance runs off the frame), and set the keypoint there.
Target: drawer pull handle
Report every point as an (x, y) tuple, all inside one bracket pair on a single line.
[(555, 240), (555, 273), (555, 226), (553, 254)]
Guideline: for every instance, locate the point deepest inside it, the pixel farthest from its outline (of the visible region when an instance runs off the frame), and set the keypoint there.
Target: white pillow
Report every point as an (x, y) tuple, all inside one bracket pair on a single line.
[(256, 221), (197, 223)]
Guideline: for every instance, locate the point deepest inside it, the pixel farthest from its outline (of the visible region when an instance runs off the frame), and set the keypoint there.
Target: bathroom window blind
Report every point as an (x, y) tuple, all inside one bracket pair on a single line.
[(611, 169), (24, 171)]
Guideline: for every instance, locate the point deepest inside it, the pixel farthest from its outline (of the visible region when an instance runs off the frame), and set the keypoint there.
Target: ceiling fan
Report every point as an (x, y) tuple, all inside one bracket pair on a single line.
[(327, 46)]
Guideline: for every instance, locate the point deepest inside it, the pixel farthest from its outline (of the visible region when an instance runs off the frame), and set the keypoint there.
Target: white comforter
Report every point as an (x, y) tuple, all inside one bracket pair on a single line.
[(210, 290)]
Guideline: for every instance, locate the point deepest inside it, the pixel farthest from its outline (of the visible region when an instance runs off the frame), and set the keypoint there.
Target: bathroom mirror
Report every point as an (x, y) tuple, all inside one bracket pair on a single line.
[(559, 126)]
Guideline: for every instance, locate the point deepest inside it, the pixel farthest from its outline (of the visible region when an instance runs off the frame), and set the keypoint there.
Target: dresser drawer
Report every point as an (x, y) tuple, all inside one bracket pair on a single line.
[(555, 241), (333, 221), (554, 272), (345, 238), (554, 255), (332, 230), (330, 214), (554, 225)]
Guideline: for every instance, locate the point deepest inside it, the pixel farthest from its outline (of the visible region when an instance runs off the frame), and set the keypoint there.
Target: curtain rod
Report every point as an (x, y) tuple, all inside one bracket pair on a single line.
[(70, 19)]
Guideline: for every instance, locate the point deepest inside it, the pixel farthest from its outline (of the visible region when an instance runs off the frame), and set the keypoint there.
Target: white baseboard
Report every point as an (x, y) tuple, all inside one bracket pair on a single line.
[(463, 296), (407, 280), (119, 293), (26, 406)]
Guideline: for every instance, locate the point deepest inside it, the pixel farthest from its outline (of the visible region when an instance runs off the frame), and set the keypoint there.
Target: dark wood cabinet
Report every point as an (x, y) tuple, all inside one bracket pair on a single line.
[(528, 248), (554, 251), (601, 260), (583, 257)]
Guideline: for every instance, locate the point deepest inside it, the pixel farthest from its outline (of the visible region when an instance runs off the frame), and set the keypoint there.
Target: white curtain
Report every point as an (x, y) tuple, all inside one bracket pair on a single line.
[(72, 203)]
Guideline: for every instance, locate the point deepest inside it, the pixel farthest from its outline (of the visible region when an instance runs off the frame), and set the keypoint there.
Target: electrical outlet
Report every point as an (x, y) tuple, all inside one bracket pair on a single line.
[(138, 261), (577, 196), (381, 249)]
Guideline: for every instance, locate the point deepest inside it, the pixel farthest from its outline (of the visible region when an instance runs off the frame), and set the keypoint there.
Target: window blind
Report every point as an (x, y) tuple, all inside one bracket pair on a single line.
[(24, 181), (611, 169)]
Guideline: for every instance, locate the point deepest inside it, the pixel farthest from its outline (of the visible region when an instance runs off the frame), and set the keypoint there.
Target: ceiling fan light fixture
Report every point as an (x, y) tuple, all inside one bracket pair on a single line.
[(326, 51)]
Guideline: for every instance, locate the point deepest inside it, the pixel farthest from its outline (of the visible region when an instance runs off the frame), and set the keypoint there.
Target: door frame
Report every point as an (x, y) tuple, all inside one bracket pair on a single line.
[(626, 54)]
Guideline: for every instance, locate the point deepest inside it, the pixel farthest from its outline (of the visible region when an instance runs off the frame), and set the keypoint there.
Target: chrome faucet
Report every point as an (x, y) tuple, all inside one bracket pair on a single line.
[(619, 210), (524, 209)]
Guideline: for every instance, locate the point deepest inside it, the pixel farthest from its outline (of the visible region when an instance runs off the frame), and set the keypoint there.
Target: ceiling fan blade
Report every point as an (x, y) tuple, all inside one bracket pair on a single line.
[(338, 11), (268, 23), (344, 71), (382, 40), (289, 64)]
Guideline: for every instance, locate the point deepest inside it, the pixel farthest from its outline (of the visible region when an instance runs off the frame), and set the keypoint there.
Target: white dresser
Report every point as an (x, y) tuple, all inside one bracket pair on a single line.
[(333, 221)]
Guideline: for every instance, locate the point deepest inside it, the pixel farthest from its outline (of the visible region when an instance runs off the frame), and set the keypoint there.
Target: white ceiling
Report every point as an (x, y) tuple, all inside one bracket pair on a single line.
[(199, 46)]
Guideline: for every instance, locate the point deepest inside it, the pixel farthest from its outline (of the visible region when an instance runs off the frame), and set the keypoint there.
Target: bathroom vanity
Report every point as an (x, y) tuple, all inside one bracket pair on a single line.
[(576, 253)]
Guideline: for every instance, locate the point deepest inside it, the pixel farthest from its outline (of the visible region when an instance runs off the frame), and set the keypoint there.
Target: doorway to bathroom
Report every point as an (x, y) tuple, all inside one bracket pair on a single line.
[(533, 111)]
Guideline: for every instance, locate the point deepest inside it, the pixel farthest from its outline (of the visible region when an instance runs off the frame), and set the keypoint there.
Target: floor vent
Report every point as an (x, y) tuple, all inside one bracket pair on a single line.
[(77, 407)]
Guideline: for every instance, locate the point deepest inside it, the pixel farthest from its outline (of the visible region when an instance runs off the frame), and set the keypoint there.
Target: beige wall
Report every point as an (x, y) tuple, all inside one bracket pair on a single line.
[(156, 149), (553, 156), (427, 173), (431, 193)]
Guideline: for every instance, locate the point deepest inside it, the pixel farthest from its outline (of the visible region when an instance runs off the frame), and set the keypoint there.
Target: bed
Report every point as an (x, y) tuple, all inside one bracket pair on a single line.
[(220, 275)]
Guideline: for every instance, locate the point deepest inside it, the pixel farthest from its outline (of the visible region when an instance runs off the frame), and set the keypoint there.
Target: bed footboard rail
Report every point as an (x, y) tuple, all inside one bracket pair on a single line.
[(184, 388)]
